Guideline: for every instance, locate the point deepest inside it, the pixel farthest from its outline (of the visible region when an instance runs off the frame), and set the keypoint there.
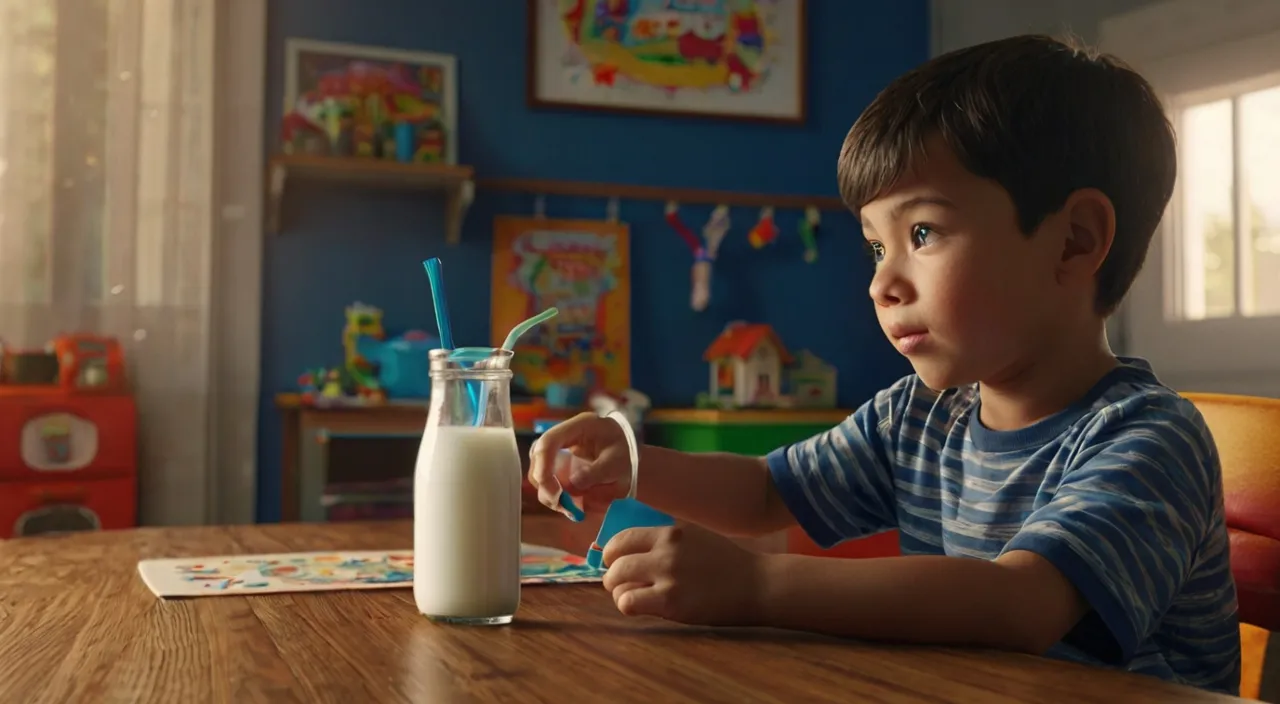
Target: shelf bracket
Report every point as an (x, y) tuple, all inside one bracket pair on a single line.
[(275, 196), (459, 201)]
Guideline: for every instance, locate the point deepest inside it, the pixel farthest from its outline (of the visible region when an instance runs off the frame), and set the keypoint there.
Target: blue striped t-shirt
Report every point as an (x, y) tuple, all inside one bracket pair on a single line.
[(1122, 492)]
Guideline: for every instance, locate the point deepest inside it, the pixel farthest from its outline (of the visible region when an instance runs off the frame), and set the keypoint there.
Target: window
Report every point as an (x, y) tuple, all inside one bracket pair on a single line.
[(1225, 213), (53, 97)]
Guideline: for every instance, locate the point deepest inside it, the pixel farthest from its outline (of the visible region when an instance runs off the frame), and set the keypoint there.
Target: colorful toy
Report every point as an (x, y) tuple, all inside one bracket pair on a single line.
[(402, 362), (91, 364), (765, 231), (809, 232), (332, 389), (746, 366), (362, 321), (714, 231)]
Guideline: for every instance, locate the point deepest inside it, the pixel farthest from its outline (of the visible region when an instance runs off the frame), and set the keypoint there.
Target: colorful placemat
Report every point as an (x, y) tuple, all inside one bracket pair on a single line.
[(224, 575)]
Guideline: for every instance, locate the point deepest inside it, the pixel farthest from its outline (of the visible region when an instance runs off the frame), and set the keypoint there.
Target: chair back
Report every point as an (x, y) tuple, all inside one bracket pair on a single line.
[(1246, 430)]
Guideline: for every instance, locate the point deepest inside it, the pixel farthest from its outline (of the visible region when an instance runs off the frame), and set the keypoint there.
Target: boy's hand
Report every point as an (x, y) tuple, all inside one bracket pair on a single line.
[(683, 573), (602, 476)]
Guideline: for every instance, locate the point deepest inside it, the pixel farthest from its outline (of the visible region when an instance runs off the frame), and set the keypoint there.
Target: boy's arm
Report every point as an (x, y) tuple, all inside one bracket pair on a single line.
[(845, 470), (1018, 602), (1097, 566), (730, 494)]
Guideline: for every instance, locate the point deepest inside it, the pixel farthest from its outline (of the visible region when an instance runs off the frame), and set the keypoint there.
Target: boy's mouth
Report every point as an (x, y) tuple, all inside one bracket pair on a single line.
[(908, 338), (908, 344)]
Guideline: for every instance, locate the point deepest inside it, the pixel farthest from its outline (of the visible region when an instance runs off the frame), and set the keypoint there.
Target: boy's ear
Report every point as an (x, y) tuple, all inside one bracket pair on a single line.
[(1091, 221)]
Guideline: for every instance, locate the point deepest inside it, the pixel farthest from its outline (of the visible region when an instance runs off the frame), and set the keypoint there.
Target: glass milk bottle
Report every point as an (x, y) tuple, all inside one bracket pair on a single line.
[(466, 493)]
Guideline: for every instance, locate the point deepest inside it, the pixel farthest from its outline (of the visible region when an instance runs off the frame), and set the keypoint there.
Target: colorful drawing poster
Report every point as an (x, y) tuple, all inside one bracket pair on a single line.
[(225, 575), (582, 267), (730, 58)]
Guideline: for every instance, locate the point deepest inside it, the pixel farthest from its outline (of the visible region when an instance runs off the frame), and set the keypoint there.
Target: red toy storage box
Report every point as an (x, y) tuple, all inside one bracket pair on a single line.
[(67, 462), (32, 508), (56, 437), (68, 445)]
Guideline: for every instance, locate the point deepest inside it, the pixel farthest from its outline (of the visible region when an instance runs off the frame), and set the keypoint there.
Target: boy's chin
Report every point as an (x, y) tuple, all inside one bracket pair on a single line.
[(938, 375)]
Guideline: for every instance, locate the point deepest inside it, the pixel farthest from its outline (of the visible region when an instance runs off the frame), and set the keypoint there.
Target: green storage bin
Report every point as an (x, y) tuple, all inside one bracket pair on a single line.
[(746, 432)]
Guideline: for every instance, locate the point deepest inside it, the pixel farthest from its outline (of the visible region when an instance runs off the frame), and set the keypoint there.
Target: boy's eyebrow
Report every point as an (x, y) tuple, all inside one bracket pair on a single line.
[(901, 208)]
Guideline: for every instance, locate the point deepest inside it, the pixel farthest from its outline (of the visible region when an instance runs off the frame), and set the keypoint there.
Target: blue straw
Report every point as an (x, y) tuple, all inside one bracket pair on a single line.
[(436, 278)]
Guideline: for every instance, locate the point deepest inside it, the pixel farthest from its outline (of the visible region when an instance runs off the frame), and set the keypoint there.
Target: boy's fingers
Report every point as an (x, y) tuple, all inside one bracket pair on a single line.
[(628, 542), (542, 458), (648, 600), (542, 455), (628, 569)]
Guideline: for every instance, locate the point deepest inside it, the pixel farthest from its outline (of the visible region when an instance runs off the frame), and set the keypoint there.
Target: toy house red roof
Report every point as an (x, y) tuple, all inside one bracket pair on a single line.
[(740, 340)]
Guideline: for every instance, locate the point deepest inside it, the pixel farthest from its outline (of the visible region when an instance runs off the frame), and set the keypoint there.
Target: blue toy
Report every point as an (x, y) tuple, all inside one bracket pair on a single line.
[(624, 514), (403, 365)]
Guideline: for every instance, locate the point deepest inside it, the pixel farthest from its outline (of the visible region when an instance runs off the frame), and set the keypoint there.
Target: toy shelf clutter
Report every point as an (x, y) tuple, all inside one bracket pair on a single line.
[(68, 438)]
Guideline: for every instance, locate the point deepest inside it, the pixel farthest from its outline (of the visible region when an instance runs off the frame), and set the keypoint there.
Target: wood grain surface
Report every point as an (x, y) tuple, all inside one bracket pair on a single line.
[(78, 625)]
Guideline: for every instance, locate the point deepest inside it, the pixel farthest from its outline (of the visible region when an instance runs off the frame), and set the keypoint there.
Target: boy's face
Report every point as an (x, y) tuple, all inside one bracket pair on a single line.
[(958, 289)]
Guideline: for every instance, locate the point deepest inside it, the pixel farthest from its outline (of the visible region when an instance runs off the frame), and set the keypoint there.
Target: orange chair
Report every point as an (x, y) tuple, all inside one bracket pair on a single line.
[(1246, 430)]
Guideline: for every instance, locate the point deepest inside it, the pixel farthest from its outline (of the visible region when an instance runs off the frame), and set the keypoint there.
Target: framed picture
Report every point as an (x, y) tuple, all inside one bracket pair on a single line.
[(582, 267), (734, 59), (372, 92)]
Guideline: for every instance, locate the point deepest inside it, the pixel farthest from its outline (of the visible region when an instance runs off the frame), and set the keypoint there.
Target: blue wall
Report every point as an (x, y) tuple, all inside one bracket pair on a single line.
[(341, 246)]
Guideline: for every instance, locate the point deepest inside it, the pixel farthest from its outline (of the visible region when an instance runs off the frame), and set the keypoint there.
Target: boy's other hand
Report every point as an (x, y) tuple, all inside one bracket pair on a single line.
[(603, 472), (683, 573)]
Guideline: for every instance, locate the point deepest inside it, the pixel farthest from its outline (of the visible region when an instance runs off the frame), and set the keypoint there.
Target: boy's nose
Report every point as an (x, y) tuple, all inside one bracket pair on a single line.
[(889, 287)]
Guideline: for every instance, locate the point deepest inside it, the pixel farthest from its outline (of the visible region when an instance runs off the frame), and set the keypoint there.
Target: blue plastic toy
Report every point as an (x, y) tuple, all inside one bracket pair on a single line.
[(624, 514)]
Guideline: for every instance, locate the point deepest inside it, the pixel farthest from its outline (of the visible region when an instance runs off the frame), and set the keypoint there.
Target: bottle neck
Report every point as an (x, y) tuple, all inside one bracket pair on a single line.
[(471, 399)]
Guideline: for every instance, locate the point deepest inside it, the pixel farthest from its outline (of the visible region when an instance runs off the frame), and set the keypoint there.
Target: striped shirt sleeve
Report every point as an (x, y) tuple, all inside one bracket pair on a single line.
[(839, 483), (1128, 520)]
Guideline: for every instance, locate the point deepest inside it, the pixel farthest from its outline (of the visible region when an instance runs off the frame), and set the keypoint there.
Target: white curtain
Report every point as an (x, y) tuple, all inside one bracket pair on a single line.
[(108, 185)]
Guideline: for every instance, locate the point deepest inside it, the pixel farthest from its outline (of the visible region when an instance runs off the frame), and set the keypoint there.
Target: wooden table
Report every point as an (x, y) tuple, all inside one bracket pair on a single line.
[(78, 625)]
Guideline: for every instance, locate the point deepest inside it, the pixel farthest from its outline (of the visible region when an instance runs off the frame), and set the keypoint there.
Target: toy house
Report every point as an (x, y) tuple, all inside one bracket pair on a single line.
[(812, 382), (746, 366)]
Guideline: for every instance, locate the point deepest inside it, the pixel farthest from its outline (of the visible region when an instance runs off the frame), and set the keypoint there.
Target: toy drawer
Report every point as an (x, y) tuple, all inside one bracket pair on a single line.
[(41, 508), (81, 437)]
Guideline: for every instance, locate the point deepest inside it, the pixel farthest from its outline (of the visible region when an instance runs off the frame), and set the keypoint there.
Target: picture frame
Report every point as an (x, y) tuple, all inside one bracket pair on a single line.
[(691, 58), (434, 77), (583, 268)]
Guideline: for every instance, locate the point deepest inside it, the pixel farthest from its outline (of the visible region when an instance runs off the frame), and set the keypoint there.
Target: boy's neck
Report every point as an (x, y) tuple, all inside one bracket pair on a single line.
[(1058, 375)]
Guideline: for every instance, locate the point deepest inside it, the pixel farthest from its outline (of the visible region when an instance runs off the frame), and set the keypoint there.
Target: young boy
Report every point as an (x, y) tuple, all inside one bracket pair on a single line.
[(1050, 497)]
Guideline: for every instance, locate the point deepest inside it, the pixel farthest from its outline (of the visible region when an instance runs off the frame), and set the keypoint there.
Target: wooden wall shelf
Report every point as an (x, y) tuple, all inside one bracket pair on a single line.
[(456, 182), (622, 191)]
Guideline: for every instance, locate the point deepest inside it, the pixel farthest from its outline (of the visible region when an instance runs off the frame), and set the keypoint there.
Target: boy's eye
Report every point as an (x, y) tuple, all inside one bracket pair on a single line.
[(921, 235), (875, 250)]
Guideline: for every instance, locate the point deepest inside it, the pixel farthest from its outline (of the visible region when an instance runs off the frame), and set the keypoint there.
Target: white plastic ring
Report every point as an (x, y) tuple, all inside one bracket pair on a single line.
[(632, 447)]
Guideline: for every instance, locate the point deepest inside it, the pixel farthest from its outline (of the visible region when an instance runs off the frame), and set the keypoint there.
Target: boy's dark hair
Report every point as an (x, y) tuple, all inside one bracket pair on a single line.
[(1042, 118)]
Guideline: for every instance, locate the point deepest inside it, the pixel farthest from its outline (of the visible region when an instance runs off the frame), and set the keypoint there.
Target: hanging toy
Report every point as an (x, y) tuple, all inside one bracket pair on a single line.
[(713, 234), (701, 295), (700, 276), (673, 219), (765, 231), (809, 233), (714, 231)]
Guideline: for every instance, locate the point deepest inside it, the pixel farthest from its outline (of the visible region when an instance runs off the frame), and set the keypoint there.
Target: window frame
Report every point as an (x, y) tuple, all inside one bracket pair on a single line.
[(1175, 292)]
